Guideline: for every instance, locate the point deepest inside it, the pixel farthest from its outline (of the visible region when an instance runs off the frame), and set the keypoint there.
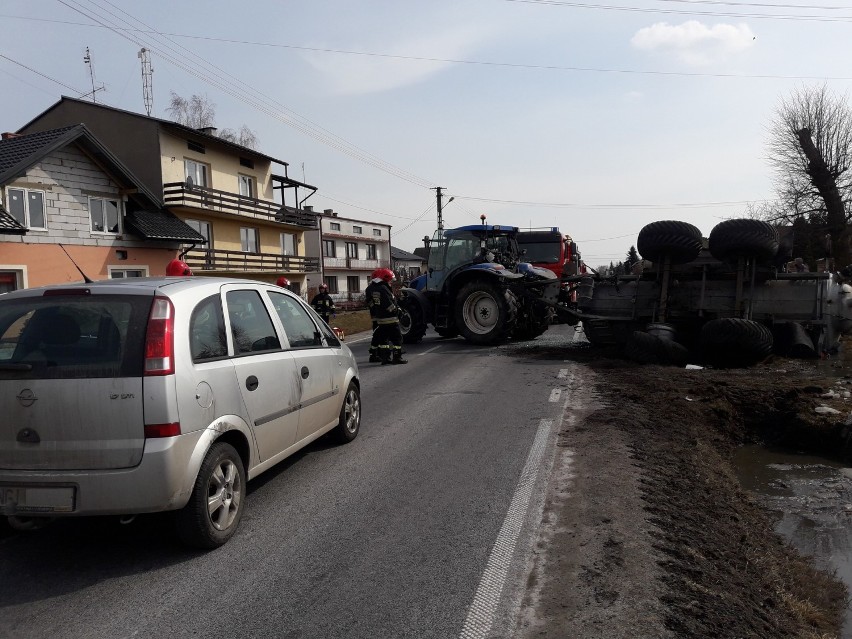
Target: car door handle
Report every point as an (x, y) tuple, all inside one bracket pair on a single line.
[(305, 372), (252, 383)]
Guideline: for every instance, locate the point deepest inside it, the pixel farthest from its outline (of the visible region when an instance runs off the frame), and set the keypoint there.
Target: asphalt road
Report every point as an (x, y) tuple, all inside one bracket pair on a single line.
[(421, 527)]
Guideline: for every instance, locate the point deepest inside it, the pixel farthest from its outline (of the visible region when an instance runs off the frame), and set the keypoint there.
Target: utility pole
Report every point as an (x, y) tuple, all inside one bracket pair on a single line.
[(87, 59), (147, 82), (440, 195)]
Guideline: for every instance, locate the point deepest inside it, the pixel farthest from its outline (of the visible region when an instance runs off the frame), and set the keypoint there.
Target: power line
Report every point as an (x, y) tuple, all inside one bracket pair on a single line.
[(575, 205), (47, 77), (485, 63)]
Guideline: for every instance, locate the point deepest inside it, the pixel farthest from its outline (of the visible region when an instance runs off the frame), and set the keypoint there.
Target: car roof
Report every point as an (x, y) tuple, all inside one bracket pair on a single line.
[(139, 285)]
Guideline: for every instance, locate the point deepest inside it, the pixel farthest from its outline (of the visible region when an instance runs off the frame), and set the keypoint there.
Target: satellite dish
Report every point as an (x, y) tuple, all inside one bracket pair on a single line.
[(189, 183)]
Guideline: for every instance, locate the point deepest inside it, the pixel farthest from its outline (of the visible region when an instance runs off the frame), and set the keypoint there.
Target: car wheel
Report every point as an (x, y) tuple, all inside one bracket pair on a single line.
[(216, 505), (349, 422)]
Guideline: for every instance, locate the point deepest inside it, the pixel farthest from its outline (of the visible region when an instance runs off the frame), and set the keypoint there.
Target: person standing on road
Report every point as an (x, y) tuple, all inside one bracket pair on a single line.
[(386, 346), (323, 304)]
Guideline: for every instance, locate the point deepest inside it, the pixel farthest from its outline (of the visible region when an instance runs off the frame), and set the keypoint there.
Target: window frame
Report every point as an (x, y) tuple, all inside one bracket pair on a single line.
[(372, 252), (331, 282), (326, 244), (334, 226), (121, 269), (377, 232), (244, 237), (349, 280), (357, 230), (250, 181), (119, 213), (195, 181), (352, 250), (26, 199), (283, 244)]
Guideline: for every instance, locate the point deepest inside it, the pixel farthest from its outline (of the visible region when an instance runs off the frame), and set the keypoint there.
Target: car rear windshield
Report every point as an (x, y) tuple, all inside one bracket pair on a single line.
[(73, 336)]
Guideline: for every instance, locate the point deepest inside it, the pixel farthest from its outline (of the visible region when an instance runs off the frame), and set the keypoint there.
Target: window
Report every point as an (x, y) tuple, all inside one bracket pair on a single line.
[(288, 244), (246, 186), (300, 330), (353, 284), (249, 164), (196, 172), (371, 252), (104, 214), (249, 240), (116, 273), (377, 232), (357, 229), (331, 282), (195, 146), (251, 326), (27, 207), (204, 229), (8, 282), (328, 248), (335, 226), (207, 330), (352, 250)]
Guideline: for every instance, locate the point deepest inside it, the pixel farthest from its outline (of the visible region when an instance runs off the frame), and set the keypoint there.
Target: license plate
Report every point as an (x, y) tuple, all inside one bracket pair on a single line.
[(36, 499)]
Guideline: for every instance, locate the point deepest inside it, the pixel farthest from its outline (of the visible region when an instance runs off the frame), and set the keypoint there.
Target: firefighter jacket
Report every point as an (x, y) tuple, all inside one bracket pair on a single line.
[(381, 303), (323, 304)]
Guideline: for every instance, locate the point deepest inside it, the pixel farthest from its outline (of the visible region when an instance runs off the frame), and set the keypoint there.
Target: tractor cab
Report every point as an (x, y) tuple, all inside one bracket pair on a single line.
[(476, 246)]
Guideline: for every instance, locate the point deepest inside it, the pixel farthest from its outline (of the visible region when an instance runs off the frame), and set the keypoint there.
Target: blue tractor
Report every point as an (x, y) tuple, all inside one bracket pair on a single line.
[(477, 286)]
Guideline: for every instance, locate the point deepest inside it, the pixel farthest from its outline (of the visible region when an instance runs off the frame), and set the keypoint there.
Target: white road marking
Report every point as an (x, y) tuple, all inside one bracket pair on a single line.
[(555, 394), (434, 348), (562, 374), (480, 615)]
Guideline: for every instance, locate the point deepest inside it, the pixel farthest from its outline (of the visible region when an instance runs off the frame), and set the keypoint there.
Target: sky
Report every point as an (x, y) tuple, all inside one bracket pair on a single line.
[(594, 118)]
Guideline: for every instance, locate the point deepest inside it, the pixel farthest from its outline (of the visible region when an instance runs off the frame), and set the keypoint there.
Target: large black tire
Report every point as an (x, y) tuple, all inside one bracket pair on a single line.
[(349, 422), (485, 313), (732, 342), (644, 348), (743, 238), (679, 241), (447, 332), (411, 320), (220, 485)]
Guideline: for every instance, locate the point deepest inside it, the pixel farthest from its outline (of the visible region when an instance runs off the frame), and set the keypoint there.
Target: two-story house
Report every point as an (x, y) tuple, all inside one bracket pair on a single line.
[(351, 250), (71, 210), (234, 197)]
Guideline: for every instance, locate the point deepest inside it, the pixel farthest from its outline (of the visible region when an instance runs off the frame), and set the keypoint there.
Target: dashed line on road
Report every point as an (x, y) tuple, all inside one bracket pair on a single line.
[(434, 348), (480, 615), (562, 374), (555, 394)]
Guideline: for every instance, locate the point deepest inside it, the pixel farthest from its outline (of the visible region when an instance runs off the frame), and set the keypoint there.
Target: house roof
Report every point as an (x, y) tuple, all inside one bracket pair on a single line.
[(399, 254), (19, 153), (10, 225), (244, 150)]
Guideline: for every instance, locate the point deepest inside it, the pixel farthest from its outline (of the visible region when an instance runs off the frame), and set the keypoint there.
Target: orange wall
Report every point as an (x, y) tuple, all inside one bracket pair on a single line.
[(48, 263)]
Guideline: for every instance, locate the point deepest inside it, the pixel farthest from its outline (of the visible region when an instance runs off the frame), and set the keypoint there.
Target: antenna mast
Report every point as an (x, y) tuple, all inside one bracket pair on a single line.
[(147, 80), (87, 59)]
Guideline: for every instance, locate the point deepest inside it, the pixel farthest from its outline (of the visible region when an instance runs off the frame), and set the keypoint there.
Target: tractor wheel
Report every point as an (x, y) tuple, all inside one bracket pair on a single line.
[(743, 238), (411, 320), (732, 342), (644, 348), (447, 332), (485, 313), (679, 241)]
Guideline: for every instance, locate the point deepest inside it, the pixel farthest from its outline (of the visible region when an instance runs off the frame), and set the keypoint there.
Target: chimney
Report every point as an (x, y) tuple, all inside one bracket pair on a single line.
[(8, 136), (208, 130), (329, 212), (308, 208)]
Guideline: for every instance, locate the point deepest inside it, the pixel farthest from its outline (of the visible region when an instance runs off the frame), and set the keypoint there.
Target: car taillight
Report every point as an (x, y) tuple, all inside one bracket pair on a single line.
[(160, 338), (162, 430)]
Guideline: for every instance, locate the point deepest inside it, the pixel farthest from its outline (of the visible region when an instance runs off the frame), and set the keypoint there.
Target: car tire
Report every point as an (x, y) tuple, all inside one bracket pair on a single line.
[(349, 422), (679, 241), (743, 238), (731, 342), (222, 476), (485, 313)]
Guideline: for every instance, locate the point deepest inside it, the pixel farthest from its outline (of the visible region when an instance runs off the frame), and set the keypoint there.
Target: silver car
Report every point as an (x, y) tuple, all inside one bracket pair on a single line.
[(157, 394)]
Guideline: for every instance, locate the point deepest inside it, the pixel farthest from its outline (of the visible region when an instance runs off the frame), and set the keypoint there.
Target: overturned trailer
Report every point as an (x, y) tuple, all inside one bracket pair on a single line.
[(726, 300)]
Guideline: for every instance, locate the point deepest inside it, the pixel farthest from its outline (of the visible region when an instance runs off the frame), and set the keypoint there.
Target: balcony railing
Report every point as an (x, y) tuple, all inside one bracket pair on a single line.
[(179, 194), (350, 263), (201, 260)]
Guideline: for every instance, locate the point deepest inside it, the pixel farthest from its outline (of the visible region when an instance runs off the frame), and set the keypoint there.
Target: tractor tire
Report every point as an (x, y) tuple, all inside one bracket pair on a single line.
[(645, 348), (447, 332), (743, 238), (732, 342), (411, 320), (485, 313), (679, 241)]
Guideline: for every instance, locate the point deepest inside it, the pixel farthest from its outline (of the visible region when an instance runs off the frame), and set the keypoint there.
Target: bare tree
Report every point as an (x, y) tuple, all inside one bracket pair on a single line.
[(199, 112), (810, 148)]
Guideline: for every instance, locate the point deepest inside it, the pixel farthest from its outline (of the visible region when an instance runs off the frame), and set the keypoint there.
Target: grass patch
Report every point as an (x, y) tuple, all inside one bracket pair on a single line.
[(353, 321)]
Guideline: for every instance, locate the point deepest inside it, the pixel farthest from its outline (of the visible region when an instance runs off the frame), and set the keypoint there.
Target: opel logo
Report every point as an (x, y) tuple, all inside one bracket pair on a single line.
[(26, 397)]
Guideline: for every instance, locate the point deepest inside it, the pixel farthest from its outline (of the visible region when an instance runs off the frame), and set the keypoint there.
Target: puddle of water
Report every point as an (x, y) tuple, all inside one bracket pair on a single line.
[(812, 498)]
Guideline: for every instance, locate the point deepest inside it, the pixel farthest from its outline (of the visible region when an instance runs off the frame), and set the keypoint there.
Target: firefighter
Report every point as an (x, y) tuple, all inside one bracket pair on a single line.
[(386, 345), (323, 304), (178, 268)]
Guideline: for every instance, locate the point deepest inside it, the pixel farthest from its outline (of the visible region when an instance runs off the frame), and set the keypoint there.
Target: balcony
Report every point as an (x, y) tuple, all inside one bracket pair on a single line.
[(351, 264), (201, 260), (202, 197)]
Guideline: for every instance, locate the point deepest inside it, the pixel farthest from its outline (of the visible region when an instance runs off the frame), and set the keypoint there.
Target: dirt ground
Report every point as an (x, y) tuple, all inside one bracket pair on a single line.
[(647, 532)]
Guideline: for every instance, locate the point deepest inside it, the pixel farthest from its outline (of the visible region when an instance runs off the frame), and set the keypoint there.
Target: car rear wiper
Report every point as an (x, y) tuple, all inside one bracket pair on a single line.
[(16, 367)]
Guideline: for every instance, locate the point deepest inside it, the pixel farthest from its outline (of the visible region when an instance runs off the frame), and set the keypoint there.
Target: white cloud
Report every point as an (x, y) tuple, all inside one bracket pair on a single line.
[(693, 42), (360, 74)]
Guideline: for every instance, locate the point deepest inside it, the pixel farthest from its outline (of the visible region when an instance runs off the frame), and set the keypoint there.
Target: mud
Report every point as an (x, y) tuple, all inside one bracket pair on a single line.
[(652, 473)]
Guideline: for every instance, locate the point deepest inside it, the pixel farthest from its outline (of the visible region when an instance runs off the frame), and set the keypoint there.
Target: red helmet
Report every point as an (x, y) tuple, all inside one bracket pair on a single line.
[(177, 268), (282, 281), (384, 274), (323, 287)]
